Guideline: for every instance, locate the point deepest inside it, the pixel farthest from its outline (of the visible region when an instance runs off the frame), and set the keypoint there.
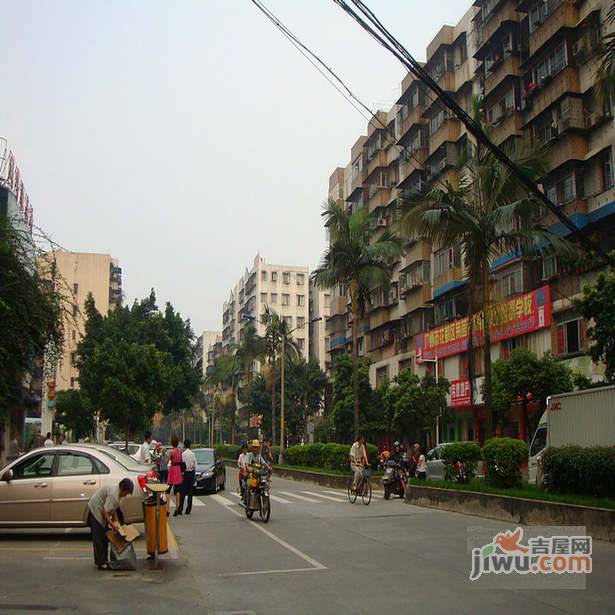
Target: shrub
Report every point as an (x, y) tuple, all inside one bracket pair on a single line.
[(503, 460), (228, 451), (468, 454), (573, 469)]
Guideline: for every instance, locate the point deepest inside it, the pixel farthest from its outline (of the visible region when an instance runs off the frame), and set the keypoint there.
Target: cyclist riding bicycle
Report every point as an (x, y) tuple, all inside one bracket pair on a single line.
[(358, 460)]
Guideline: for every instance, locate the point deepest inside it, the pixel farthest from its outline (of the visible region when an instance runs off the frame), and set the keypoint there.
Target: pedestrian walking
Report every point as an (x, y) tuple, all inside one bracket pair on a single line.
[(176, 478), (48, 440), (421, 465), (104, 512), (189, 461), (144, 456), (163, 465)]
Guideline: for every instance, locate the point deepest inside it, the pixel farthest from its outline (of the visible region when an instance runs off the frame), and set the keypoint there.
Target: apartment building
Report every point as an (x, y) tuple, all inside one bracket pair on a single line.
[(533, 63), (81, 274), (208, 341), (320, 303), (284, 288)]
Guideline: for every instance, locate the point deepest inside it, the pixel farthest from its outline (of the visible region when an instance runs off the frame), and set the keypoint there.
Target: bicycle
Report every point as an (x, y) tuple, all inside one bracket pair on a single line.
[(364, 489)]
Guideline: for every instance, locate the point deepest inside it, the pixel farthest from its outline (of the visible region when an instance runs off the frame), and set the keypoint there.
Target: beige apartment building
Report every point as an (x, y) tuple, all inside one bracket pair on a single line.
[(81, 274), (533, 62), (320, 302), (284, 288)]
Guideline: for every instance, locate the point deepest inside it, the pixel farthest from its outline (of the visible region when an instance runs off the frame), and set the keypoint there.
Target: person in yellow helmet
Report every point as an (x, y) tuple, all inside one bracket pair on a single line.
[(254, 465)]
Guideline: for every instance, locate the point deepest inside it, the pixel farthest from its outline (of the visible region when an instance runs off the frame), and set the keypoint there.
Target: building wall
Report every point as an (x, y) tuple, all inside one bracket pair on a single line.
[(497, 52), (320, 301), (81, 274)]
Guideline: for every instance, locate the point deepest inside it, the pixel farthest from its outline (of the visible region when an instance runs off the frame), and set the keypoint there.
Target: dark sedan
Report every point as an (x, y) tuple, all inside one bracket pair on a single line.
[(210, 471)]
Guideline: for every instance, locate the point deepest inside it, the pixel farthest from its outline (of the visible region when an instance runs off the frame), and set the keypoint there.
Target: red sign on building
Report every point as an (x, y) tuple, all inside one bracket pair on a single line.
[(509, 319), (460, 393)]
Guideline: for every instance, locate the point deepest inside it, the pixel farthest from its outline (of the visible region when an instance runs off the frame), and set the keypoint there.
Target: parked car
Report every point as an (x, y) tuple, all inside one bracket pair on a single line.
[(133, 447), (121, 457), (51, 486), (435, 463), (210, 471)]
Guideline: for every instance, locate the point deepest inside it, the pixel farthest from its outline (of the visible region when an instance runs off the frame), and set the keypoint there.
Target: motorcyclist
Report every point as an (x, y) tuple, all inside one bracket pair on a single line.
[(255, 459), (400, 461)]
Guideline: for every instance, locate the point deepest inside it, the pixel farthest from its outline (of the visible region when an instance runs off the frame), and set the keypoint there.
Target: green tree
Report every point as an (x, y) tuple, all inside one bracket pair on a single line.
[(251, 348), (605, 74), (598, 309), (225, 376), (487, 215), (31, 311), (525, 377), (359, 261), (75, 413)]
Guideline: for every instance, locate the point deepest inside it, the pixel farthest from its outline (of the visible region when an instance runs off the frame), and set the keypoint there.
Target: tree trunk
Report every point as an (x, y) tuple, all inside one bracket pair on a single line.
[(487, 347), (273, 401), (471, 370), (355, 362)]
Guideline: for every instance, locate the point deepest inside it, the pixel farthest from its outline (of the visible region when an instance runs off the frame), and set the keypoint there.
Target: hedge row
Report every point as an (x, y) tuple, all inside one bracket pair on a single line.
[(325, 456), (573, 469)]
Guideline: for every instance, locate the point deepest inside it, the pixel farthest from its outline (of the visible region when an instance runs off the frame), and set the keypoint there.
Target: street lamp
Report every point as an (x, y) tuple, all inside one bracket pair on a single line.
[(419, 358), (282, 375)]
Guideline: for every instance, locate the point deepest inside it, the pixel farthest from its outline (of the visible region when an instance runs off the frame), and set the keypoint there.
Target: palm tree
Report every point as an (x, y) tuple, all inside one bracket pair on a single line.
[(275, 329), (487, 215), (605, 75), (360, 262), (225, 376), (251, 348)]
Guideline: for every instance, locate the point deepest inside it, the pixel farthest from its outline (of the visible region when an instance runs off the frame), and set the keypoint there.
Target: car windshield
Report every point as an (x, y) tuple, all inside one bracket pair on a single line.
[(204, 458), (119, 456)]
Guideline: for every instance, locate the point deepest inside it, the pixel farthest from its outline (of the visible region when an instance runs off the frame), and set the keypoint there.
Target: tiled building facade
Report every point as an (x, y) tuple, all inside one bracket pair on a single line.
[(533, 62)]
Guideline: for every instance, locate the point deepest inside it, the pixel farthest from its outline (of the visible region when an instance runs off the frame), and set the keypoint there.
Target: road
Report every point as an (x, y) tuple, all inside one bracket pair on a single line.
[(318, 554)]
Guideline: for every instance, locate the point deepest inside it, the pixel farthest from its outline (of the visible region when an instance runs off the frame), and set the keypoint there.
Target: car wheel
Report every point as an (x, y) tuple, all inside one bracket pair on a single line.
[(223, 485)]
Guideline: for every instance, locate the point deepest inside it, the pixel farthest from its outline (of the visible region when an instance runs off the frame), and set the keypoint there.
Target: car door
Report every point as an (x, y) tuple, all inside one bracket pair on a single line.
[(75, 482), (25, 499)]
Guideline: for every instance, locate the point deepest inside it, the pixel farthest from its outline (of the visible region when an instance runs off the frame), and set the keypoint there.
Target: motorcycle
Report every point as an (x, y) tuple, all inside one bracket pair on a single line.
[(391, 480), (256, 494)]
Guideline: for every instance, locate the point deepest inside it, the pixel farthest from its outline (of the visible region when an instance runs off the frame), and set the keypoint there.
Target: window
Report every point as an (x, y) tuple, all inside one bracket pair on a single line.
[(73, 359), (446, 259), (569, 188), (75, 309), (34, 467), (509, 345), (540, 11), (274, 276), (300, 279), (301, 344), (437, 121), (539, 442), (549, 267), (300, 300), (264, 276), (382, 375), (300, 321), (570, 337), (285, 299), (327, 299), (71, 464), (550, 65), (286, 277), (510, 283), (405, 364), (288, 321), (607, 171), (263, 297), (274, 298), (75, 289)]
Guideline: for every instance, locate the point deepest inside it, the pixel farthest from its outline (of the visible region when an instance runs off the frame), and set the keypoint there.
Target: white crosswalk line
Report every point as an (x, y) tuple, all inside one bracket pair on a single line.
[(299, 497), (275, 498), (221, 500), (339, 494), (195, 502), (322, 495)]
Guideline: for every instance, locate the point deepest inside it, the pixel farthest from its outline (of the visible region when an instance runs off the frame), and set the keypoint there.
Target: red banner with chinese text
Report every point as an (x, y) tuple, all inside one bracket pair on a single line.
[(509, 319)]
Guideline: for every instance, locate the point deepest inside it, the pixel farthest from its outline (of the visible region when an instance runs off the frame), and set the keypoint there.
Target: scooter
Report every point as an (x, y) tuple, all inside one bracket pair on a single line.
[(391, 480)]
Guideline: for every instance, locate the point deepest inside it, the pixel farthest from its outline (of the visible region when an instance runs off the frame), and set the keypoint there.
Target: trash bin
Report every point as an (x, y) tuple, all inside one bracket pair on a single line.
[(150, 527)]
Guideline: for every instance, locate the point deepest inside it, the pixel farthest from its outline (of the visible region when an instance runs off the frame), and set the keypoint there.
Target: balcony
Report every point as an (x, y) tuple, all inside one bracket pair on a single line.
[(501, 15), (446, 80), (414, 117), (449, 131), (509, 126), (418, 297), (378, 159), (378, 196), (565, 15), (505, 68), (566, 147), (455, 274), (553, 88), (358, 181)]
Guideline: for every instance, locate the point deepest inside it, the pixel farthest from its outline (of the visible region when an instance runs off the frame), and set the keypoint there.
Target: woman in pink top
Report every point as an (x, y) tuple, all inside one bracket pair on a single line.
[(175, 473)]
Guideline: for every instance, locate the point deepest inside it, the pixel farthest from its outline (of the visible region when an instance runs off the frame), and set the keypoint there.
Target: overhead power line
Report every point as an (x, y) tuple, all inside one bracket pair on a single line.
[(384, 37)]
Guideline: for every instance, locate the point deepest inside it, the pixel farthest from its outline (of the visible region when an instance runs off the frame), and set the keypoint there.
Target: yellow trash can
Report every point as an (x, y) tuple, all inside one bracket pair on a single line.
[(150, 528)]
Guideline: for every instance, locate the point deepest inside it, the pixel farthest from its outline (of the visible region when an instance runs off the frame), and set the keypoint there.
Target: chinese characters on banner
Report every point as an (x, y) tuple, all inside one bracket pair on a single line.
[(514, 317), (460, 393)]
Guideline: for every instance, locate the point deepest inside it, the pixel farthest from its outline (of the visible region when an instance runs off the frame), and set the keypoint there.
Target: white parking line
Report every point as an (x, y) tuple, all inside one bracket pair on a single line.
[(299, 497), (321, 495)]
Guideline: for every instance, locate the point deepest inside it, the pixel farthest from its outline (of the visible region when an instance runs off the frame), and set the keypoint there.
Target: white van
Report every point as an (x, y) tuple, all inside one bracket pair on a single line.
[(582, 418)]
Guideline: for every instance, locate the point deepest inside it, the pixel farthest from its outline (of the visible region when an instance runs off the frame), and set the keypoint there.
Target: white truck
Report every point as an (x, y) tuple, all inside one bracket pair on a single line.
[(582, 418)]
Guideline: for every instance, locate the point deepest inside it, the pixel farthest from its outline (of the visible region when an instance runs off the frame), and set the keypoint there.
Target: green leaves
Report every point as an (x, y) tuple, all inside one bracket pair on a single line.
[(503, 460)]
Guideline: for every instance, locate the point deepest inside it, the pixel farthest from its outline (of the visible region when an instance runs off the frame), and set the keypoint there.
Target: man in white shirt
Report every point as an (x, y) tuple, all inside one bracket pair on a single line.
[(358, 460), (189, 460), (48, 441), (144, 455)]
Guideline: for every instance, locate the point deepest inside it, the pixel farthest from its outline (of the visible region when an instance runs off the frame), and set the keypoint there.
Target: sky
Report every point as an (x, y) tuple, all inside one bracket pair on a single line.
[(183, 137)]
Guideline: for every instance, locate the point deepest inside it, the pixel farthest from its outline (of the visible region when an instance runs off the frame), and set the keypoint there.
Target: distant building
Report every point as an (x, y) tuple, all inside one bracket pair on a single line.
[(209, 339), (320, 301)]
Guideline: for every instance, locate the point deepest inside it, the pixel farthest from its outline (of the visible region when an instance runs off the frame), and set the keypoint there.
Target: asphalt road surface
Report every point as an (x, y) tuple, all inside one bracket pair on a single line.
[(318, 554)]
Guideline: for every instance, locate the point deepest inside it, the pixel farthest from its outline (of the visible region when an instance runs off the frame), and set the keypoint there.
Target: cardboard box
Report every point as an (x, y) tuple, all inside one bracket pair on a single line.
[(121, 539)]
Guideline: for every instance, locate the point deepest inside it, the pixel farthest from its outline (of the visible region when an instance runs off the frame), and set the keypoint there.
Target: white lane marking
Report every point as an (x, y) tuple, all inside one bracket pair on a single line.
[(221, 500), (66, 557), (275, 498), (304, 556), (320, 495), (245, 574), (299, 497), (195, 502)]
